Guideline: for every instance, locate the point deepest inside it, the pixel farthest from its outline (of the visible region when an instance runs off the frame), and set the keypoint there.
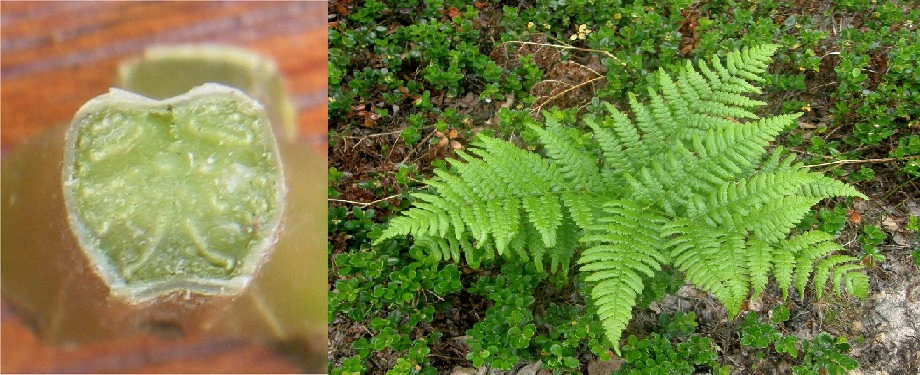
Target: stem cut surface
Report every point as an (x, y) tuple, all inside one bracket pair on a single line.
[(179, 194)]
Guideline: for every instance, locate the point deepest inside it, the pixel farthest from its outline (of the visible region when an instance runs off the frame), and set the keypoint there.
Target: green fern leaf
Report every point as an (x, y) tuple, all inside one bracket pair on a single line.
[(857, 284), (545, 213), (582, 208), (579, 168), (623, 246), (840, 271), (823, 270), (503, 219), (820, 245), (621, 144), (711, 257), (759, 262), (684, 184)]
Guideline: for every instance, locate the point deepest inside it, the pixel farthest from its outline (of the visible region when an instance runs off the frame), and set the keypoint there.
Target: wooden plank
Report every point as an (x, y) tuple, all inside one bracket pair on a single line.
[(48, 72)]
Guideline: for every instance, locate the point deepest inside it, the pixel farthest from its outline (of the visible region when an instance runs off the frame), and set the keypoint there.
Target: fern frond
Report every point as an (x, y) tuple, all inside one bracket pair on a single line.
[(482, 203), (582, 208), (725, 155), (545, 213), (741, 66), (441, 248), (766, 203), (759, 264), (824, 268), (799, 254), (677, 104), (738, 146), (662, 119), (560, 256), (623, 246), (653, 132), (696, 90), (749, 63), (727, 83), (857, 284), (503, 219), (580, 169), (773, 221), (777, 160), (684, 184), (621, 145), (616, 160), (496, 193), (712, 258), (824, 187), (839, 273)]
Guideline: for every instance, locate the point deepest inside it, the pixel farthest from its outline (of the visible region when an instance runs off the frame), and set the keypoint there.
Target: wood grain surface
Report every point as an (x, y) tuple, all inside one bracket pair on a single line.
[(54, 56)]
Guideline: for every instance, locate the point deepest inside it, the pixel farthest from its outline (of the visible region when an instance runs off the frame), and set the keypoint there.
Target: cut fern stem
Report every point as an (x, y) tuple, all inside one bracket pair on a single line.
[(686, 182)]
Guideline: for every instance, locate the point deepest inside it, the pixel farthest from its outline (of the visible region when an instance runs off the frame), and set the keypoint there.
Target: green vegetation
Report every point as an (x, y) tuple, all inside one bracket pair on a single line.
[(413, 81), (825, 354), (871, 238), (676, 349), (682, 185)]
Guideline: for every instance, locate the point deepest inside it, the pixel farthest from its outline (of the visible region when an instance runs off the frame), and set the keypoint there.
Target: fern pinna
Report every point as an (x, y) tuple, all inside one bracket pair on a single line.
[(687, 183)]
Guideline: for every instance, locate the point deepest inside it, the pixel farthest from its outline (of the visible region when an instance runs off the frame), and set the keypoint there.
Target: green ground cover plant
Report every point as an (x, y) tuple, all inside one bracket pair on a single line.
[(676, 348), (398, 110), (872, 237), (825, 354)]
